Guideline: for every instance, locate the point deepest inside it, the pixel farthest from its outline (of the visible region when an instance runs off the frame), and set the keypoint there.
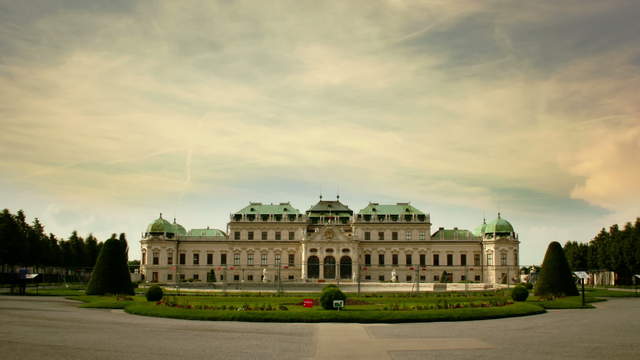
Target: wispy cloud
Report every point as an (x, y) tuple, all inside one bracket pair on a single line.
[(451, 104)]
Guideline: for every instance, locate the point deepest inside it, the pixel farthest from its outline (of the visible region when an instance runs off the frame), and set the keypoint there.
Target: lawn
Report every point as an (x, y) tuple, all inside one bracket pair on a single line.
[(365, 308)]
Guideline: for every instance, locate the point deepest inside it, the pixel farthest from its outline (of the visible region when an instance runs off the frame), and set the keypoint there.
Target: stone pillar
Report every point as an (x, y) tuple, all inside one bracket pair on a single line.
[(303, 263)]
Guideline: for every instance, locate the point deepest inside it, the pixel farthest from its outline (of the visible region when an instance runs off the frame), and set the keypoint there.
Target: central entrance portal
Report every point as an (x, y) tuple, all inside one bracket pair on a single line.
[(329, 267), (345, 267)]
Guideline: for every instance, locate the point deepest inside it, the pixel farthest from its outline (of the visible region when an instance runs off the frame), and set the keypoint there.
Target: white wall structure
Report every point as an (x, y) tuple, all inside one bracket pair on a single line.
[(330, 243)]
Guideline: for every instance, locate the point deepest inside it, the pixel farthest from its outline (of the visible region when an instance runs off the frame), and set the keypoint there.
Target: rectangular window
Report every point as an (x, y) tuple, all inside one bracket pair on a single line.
[(196, 259), (449, 259), (236, 259), (156, 258), (436, 260), (182, 277), (277, 259), (236, 277), (463, 278), (263, 259), (423, 260), (380, 259), (367, 277), (436, 277), (236, 235), (381, 278), (144, 258), (408, 278), (477, 278), (381, 235), (196, 277), (291, 277), (367, 259), (409, 259), (183, 259), (223, 259), (170, 277), (394, 235), (249, 259), (407, 235), (278, 235), (490, 259), (423, 278), (292, 235), (367, 235), (394, 259), (292, 259), (250, 235), (170, 259), (463, 259), (264, 235), (476, 259), (250, 277), (209, 259), (154, 276), (503, 259), (421, 235)]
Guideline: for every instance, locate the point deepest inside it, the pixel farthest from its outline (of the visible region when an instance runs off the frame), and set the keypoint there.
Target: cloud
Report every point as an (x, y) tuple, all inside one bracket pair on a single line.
[(468, 104)]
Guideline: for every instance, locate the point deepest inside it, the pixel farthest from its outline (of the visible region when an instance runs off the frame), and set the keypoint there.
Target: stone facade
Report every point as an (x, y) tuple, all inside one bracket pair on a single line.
[(381, 243)]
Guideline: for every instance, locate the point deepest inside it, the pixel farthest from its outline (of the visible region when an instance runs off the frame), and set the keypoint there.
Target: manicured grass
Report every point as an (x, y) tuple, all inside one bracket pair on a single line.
[(107, 302), (610, 293), (372, 316)]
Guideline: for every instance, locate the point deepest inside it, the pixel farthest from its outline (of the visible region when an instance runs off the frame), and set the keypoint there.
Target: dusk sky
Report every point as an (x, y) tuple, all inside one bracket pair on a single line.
[(113, 112)]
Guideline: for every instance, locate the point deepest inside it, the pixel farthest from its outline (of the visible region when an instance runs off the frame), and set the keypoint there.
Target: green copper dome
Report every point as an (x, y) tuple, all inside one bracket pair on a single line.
[(498, 225), (479, 231), (161, 225), (179, 229)]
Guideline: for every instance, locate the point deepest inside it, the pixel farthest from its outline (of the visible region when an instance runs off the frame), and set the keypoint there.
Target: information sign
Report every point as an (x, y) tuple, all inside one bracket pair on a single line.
[(338, 304), (581, 275), (308, 303)]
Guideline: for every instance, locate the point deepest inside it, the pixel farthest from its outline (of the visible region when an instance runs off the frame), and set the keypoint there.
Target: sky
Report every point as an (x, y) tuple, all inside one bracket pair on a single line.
[(113, 112)]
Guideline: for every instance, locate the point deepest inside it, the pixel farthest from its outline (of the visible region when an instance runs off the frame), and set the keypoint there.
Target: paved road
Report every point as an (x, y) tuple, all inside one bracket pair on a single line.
[(54, 328)]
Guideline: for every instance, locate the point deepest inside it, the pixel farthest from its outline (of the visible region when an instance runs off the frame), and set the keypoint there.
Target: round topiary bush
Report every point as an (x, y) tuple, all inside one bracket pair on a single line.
[(529, 286), (519, 293), (329, 295), (154, 293)]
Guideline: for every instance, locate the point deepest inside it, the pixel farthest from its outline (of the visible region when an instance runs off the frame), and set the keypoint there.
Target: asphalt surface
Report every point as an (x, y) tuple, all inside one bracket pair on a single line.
[(55, 328)]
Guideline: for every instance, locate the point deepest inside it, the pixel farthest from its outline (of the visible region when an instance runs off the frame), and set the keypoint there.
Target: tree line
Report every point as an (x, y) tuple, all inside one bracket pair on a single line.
[(614, 250), (24, 244)]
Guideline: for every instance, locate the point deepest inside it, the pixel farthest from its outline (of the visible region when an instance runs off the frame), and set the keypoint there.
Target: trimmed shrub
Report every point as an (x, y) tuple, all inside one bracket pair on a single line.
[(555, 277), (111, 273), (519, 293), (329, 295), (154, 293), (528, 285)]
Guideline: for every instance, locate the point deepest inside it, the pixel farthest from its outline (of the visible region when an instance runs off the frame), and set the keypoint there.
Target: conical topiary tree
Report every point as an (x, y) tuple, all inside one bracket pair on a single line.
[(111, 273), (555, 278)]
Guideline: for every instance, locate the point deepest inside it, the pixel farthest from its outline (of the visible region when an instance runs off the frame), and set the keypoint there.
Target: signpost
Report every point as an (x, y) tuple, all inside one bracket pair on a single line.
[(338, 304), (582, 276)]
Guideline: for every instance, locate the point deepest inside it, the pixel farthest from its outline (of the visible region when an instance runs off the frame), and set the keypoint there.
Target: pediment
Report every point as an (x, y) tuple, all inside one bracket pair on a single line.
[(328, 234)]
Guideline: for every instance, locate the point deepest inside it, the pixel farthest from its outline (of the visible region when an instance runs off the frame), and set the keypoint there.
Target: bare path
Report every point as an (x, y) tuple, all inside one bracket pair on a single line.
[(54, 328)]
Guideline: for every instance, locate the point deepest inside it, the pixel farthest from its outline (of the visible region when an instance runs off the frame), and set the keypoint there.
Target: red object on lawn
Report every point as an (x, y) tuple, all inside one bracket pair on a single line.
[(308, 303)]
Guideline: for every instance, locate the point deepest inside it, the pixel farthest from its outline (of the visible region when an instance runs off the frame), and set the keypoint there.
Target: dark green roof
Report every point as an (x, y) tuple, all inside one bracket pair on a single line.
[(161, 225), (335, 207), (205, 232), (498, 225), (390, 209), (260, 208), (453, 234)]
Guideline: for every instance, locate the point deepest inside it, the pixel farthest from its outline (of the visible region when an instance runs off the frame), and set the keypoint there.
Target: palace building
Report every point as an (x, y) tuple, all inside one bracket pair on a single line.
[(329, 242)]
